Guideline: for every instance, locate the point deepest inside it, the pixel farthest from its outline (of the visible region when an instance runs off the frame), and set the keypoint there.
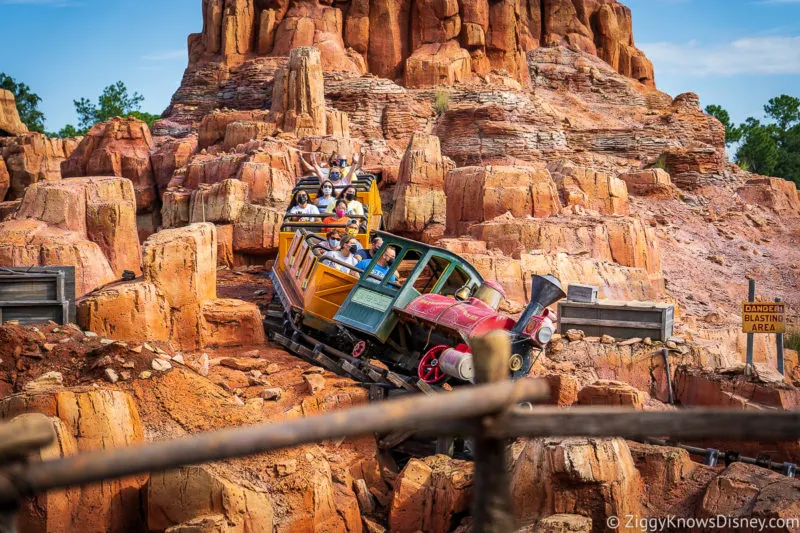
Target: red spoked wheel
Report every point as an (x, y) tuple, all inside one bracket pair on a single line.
[(429, 370), (358, 349)]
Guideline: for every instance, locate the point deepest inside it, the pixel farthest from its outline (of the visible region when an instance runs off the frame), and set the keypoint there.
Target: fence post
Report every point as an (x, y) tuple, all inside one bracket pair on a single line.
[(779, 342), (491, 507), (751, 297)]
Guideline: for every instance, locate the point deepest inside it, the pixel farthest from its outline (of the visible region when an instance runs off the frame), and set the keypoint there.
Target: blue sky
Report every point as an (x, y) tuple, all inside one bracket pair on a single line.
[(736, 53)]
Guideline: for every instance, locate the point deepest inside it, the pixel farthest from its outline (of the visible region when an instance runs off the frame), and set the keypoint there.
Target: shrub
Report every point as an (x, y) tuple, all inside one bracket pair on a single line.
[(441, 102)]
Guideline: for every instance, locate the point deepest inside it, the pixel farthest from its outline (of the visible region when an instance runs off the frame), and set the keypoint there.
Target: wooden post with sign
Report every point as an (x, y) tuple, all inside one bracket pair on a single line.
[(763, 317), (779, 343), (751, 296)]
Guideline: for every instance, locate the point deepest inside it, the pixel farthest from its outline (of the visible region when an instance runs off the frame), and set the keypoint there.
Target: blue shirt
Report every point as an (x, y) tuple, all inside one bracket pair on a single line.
[(377, 270)]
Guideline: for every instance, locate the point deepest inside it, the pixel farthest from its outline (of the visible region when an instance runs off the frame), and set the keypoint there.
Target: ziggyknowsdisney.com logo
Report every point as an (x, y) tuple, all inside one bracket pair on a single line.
[(665, 523)]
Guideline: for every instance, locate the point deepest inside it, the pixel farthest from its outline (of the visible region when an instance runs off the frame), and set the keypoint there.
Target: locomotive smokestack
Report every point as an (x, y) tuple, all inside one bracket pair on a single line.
[(545, 290)]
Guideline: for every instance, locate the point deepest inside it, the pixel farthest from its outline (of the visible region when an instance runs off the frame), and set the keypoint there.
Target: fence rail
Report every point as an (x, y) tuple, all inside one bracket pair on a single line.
[(488, 412)]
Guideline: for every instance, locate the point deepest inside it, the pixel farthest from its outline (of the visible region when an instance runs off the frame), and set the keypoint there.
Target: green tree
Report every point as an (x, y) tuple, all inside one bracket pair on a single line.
[(783, 109), (115, 101), (67, 131), (27, 102), (147, 118), (759, 149), (733, 134)]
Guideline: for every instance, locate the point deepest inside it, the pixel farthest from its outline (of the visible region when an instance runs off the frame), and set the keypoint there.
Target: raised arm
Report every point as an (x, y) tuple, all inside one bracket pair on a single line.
[(358, 160)]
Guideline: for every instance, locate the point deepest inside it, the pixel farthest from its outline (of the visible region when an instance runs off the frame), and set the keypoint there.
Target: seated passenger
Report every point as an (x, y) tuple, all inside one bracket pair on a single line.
[(301, 206), (333, 241), (352, 228), (339, 217), (346, 254), (382, 267), (375, 244), (354, 207), (325, 196), (341, 177)]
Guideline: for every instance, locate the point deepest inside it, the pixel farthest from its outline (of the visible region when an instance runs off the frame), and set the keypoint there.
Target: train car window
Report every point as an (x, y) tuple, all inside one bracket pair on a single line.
[(457, 279), (430, 274)]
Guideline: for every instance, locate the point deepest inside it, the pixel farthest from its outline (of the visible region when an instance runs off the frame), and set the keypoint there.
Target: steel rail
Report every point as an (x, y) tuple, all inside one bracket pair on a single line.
[(408, 413)]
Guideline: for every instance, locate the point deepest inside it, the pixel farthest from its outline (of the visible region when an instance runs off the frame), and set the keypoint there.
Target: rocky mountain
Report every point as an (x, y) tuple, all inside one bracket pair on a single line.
[(528, 137)]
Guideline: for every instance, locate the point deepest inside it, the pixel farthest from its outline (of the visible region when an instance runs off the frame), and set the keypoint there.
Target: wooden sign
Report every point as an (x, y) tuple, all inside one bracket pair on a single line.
[(763, 317)]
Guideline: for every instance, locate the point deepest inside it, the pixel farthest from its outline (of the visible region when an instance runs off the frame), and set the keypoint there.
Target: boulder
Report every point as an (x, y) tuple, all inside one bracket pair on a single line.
[(436, 64), (219, 203), (170, 156), (102, 210), (225, 246), (776, 194), (10, 123), (590, 188), (9, 209), (127, 312), (175, 208), (613, 393), (182, 263), (32, 242), (429, 494), (591, 477), (88, 420), (243, 131), (419, 198), (749, 491), (651, 182), (298, 96), (267, 185), (34, 157), (214, 126), (196, 493), (119, 147), (228, 322), (258, 229), (563, 389), (477, 194), (564, 523)]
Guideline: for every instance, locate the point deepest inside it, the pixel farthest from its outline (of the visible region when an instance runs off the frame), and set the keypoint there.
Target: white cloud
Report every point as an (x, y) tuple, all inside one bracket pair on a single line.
[(750, 55), (166, 55)]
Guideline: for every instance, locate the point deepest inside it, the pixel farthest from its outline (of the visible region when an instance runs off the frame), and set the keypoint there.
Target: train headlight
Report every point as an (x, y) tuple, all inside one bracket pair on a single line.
[(544, 335)]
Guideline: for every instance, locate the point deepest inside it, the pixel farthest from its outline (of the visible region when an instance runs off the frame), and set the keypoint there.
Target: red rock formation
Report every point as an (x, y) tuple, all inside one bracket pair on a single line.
[(590, 477), (429, 493), (34, 243), (5, 180), (170, 156), (776, 194), (653, 182), (614, 393), (85, 420), (10, 124), (476, 194), (219, 203), (298, 97), (591, 189), (119, 147), (33, 157), (196, 492), (419, 198), (428, 42), (102, 210), (176, 301), (744, 490)]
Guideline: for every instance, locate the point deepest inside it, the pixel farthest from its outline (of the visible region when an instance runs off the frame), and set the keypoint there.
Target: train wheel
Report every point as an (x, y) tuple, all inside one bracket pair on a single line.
[(429, 370)]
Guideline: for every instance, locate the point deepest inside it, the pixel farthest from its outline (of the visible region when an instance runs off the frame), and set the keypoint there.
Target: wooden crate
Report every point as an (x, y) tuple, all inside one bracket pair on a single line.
[(34, 295), (621, 320)]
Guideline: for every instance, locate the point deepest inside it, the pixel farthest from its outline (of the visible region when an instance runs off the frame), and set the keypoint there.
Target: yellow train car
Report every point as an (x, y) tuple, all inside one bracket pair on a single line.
[(366, 186)]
